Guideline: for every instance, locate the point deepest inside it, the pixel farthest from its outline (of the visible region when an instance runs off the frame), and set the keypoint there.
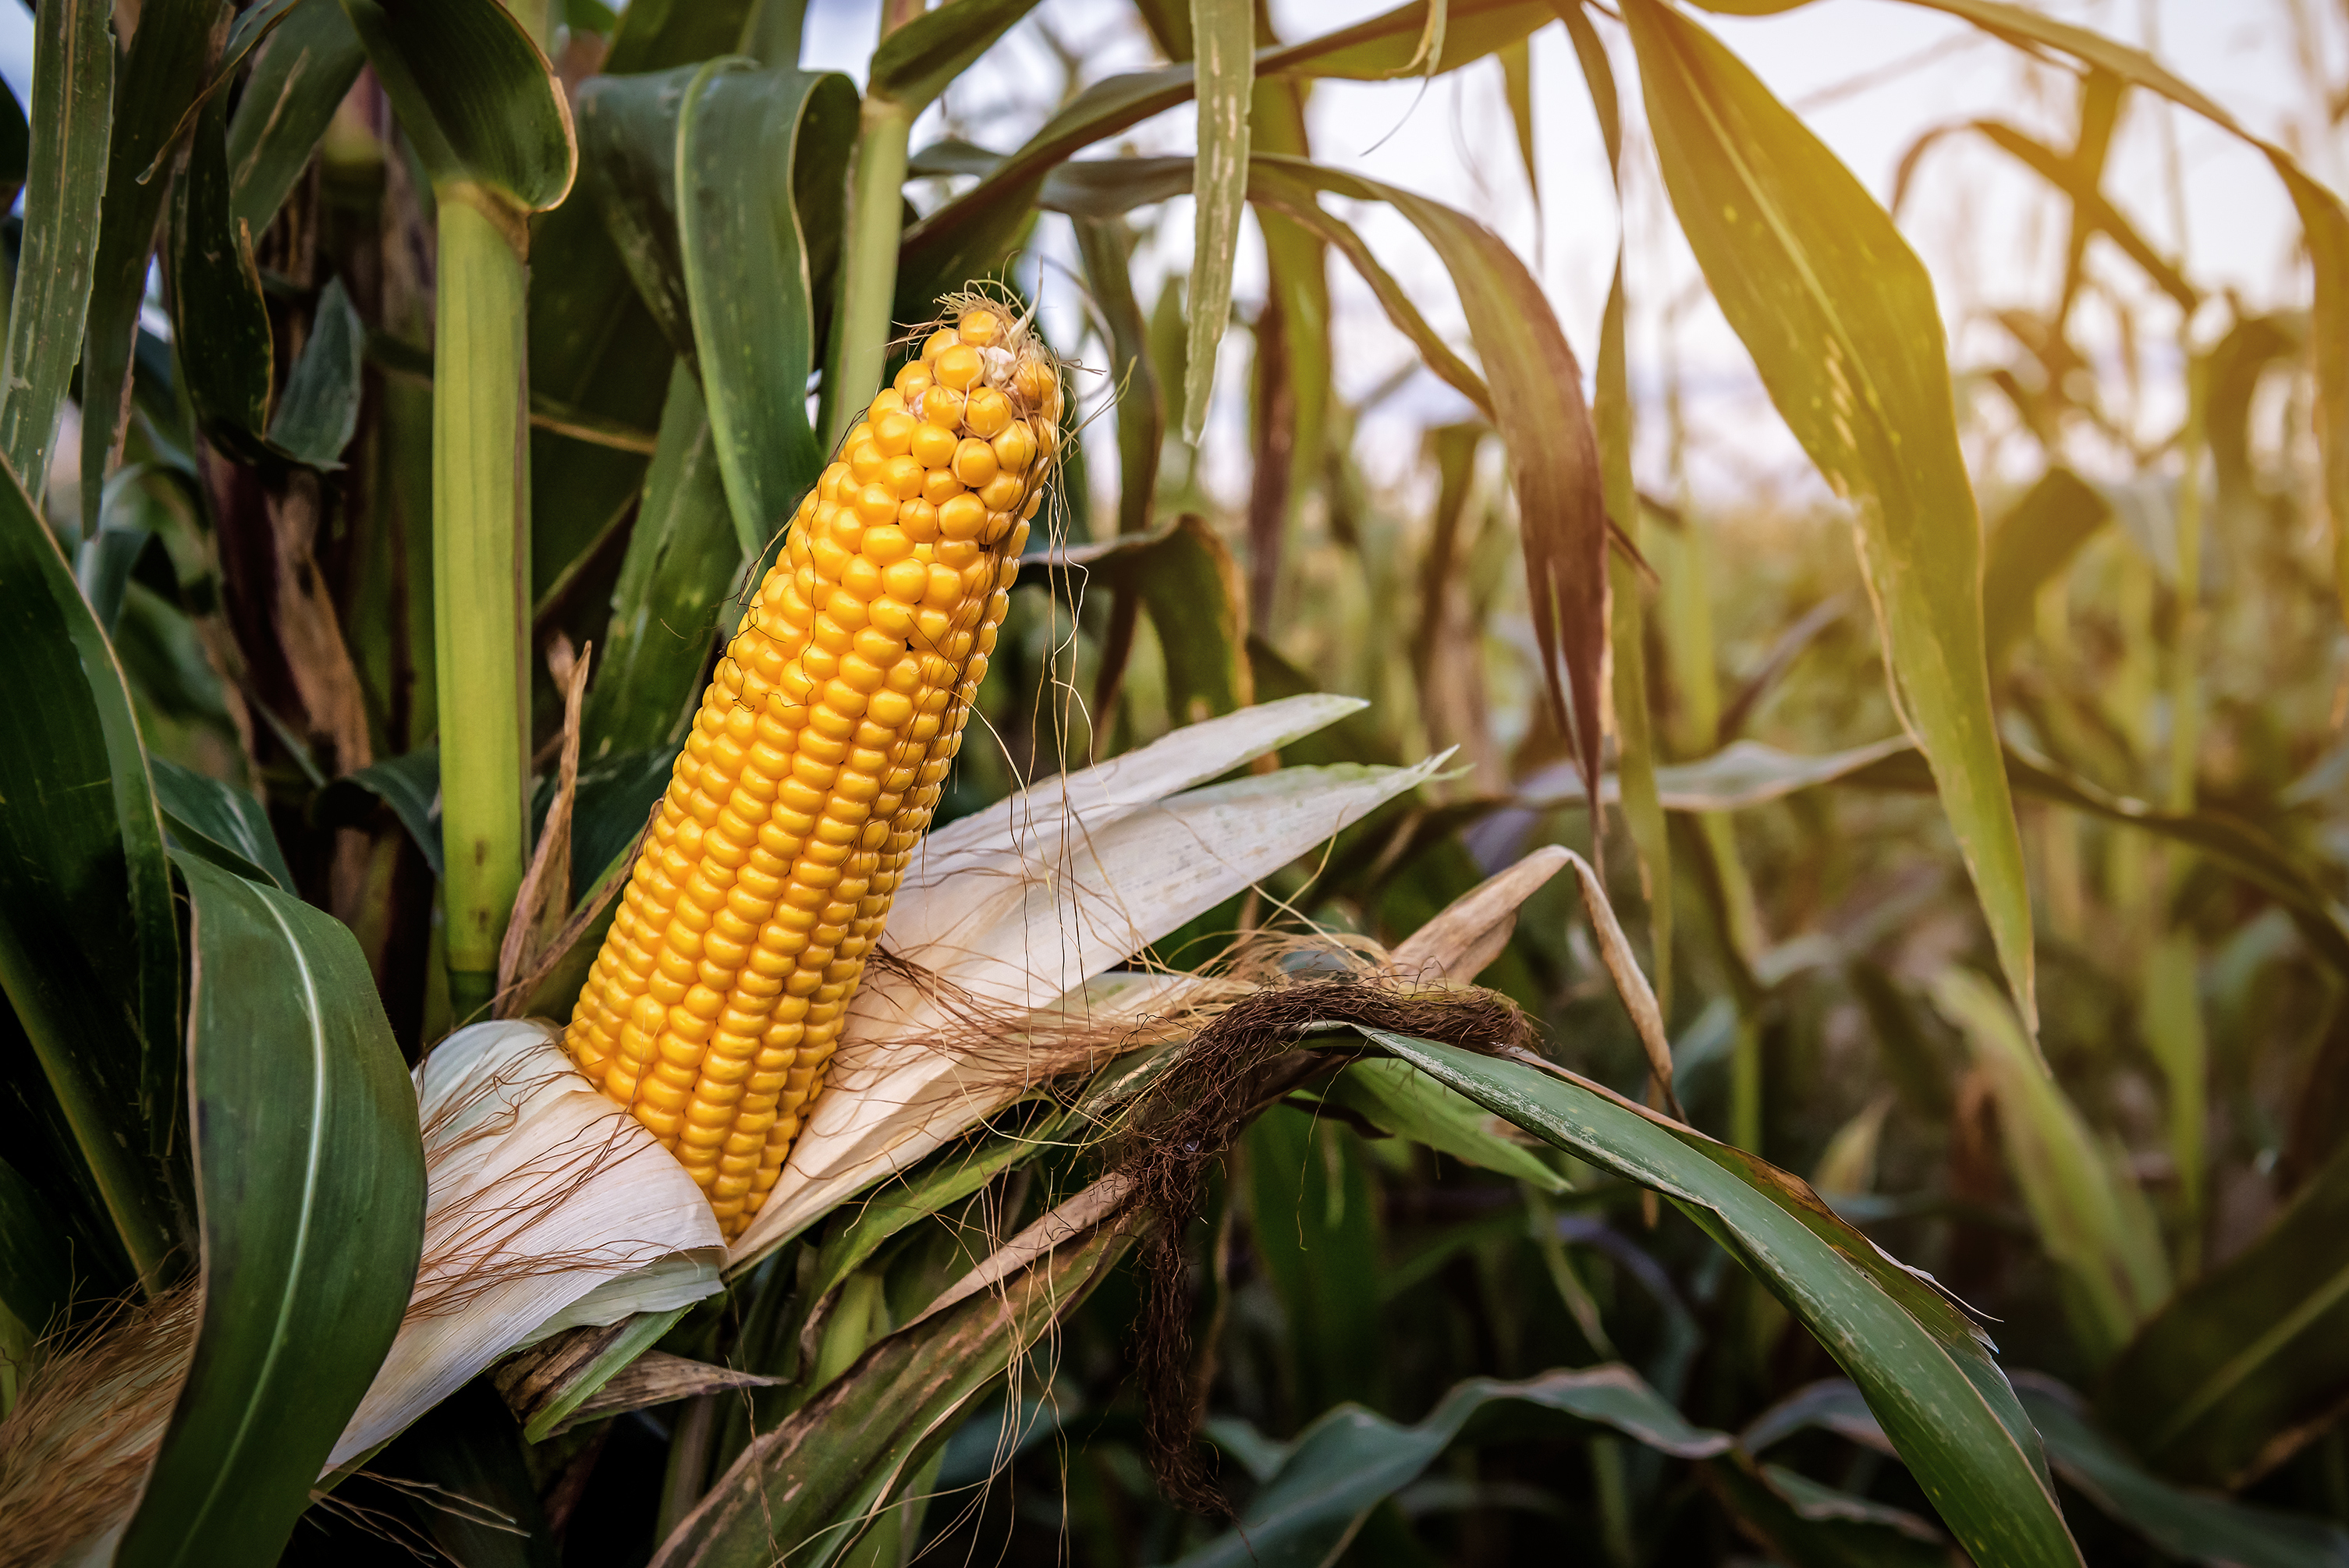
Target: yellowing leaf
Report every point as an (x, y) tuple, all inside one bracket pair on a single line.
[(1840, 318)]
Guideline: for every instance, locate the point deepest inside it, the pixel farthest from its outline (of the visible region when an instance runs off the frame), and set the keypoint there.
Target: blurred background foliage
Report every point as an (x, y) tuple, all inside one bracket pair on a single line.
[(2154, 1233)]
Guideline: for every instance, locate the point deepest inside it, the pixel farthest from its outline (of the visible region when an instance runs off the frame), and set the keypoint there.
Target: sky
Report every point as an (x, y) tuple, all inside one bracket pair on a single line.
[(1868, 75)]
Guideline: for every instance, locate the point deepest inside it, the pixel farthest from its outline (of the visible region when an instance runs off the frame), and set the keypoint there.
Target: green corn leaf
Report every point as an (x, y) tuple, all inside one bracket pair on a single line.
[(475, 96), (40, 1278), (594, 347), (918, 61), (968, 235), (89, 941), (2092, 1220), (1398, 1098), (320, 409), (946, 1178), (675, 588), (2030, 547), (811, 1485), (1805, 1525), (171, 51), (409, 785), (1840, 318), (1314, 1231), (2323, 218), (1107, 248), (1224, 34), (1748, 773), (2190, 1525), (1926, 1370), (2252, 1361), (220, 336), (627, 137), (310, 1198), (220, 822), (470, 1449), (313, 58), (1321, 1487), (594, 342), (64, 185), (659, 35), (748, 286), (1297, 266)]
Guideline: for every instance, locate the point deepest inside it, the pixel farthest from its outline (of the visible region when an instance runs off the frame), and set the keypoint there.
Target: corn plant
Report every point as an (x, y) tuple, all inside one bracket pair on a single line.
[(634, 933)]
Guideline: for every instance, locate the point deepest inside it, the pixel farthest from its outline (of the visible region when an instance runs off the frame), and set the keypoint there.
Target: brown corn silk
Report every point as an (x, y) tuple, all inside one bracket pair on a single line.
[(816, 758)]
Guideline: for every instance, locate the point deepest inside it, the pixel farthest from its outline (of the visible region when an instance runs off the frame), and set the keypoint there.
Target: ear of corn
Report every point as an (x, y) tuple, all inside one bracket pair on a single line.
[(816, 759)]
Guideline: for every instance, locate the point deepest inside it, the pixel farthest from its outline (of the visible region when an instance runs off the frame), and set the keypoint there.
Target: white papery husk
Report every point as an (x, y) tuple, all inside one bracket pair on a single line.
[(1025, 909), (549, 1207)]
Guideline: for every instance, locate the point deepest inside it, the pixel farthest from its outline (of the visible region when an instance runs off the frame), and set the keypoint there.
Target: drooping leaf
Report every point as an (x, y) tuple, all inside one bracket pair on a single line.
[(410, 786), (320, 409), (310, 1198), (170, 52), (1926, 1370), (1536, 390), (627, 137), (2093, 210), (2324, 220), (917, 60), (1350, 1459), (475, 96), (1806, 1525), (1748, 773), (659, 35), (313, 58), (1840, 318), (747, 282), (2031, 545), (966, 237), (2193, 1525), (1612, 420), (2093, 1221), (1223, 34), (64, 186), (89, 941), (220, 822), (2250, 1362)]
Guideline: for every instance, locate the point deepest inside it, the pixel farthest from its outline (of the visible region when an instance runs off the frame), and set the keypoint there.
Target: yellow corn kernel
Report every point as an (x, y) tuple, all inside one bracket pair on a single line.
[(815, 760)]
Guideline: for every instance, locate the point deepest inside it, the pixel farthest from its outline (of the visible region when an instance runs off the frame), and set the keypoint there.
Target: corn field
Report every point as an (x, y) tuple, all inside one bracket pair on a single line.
[(969, 810)]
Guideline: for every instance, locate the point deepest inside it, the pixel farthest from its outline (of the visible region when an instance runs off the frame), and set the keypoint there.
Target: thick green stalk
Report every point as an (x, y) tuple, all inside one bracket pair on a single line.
[(868, 262), (481, 568)]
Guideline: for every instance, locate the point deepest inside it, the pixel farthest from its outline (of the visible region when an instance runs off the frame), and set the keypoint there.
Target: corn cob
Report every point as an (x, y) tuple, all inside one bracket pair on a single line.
[(816, 761)]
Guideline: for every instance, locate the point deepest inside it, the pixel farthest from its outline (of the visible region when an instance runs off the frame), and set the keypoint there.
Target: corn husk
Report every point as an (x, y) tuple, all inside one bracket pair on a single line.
[(548, 1207), (1010, 915)]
